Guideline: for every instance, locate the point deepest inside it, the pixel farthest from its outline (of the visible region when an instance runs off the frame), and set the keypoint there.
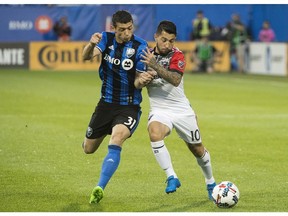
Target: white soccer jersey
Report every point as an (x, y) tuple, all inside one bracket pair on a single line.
[(169, 105), (164, 95)]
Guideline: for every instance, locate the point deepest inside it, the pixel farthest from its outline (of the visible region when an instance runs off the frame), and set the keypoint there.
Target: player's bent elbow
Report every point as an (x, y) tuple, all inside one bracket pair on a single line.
[(176, 83), (86, 58)]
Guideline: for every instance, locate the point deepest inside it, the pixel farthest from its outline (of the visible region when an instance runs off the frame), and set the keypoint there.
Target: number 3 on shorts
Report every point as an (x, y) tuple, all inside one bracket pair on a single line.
[(131, 122)]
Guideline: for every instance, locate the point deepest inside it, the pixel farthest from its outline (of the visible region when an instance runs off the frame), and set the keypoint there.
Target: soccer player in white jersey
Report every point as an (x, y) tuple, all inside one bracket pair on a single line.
[(169, 107)]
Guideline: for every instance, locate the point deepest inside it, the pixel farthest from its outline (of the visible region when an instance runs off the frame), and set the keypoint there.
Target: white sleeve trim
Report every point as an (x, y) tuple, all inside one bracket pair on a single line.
[(99, 48)]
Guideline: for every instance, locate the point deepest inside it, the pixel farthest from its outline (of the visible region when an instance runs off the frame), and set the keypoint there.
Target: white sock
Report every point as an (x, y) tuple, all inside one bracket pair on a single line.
[(205, 164), (163, 157)]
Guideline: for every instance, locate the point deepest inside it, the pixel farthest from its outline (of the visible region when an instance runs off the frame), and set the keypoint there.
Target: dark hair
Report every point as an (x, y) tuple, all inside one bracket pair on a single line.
[(199, 12), (167, 26), (121, 16)]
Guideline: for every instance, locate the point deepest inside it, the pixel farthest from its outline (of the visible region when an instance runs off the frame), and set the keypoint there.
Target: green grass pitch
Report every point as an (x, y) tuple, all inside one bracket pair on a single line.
[(44, 115)]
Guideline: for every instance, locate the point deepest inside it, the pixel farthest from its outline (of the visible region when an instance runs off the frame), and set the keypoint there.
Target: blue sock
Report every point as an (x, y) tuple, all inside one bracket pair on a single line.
[(109, 165)]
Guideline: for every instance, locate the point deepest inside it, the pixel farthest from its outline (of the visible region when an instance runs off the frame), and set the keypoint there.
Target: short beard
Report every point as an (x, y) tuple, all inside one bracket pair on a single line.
[(162, 53)]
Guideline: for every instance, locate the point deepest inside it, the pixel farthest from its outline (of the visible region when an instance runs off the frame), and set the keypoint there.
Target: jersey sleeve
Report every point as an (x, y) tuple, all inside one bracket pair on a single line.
[(177, 62), (102, 44), (141, 66)]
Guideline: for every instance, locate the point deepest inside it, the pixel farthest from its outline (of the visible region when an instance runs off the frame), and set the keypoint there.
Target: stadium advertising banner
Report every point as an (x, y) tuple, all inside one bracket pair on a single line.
[(60, 56), (222, 63), (68, 56), (268, 59), (14, 55)]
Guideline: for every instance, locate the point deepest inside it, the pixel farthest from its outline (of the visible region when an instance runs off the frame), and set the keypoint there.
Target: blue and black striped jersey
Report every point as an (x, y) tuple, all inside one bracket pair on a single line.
[(118, 67)]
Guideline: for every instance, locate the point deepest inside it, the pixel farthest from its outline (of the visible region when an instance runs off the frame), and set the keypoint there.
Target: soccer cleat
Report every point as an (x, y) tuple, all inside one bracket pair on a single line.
[(172, 184), (96, 195), (210, 188)]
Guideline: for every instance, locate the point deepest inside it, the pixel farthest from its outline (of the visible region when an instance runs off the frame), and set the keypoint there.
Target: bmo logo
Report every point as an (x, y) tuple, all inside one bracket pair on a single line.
[(127, 64), (112, 60)]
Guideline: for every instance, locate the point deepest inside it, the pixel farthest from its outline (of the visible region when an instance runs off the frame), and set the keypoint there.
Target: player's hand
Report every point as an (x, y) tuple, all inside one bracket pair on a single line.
[(152, 72), (156, 82), (148, 58), (95, 38), (145, 78)]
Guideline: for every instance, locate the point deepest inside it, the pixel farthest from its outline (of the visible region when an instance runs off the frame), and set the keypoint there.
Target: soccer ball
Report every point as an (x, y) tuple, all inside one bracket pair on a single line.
[(225, 194)]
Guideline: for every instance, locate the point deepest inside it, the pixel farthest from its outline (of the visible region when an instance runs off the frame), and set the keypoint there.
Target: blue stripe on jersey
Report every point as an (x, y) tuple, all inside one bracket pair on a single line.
[(118, 79), (118, 68), (124, 86), (109, 87)]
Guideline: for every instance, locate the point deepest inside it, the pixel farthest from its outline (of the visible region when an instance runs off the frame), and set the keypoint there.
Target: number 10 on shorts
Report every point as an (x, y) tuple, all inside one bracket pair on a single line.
[(195, 135)]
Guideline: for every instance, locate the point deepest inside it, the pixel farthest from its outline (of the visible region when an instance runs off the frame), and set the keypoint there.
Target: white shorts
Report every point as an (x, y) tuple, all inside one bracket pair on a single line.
[(184, 123)]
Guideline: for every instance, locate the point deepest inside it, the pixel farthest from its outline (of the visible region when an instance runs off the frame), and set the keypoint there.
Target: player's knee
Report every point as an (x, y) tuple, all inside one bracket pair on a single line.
[(118, 138), (119, 134), (87, 149), (197, 149), (155, 135)]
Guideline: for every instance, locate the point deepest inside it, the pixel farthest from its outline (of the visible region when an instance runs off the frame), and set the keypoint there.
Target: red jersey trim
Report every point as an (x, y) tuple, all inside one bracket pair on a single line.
[(177, 62)]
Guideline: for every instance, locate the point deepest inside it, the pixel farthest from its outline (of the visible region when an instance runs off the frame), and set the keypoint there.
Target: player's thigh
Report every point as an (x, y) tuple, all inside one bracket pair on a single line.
[(100, 123), (159, 124), (158, 131), (187, 128), (119, 134), (125, 122)]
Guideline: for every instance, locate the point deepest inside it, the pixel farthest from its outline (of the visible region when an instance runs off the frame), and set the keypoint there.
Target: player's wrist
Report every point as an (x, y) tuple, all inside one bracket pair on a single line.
[(92, 44), (155, 66)]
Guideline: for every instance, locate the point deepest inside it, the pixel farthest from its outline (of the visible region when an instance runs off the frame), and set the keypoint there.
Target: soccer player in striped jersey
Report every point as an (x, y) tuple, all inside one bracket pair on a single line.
[(118, 111), (170, 108)]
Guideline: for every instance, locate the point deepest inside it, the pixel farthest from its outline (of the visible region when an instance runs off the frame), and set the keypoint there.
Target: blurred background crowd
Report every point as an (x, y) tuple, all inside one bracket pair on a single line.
[(236, 24)]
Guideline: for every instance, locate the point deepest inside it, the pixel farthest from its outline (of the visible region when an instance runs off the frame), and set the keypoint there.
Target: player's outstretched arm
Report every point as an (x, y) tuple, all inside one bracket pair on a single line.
[(89, 50)]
